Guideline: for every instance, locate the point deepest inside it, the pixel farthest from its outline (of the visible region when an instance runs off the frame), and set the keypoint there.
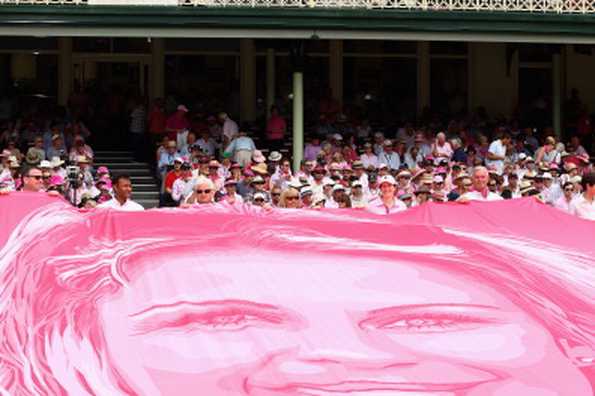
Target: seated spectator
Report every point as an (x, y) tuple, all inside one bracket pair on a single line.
[(122, 192), (182, 185), (564, 202), (480, 190), (387, 202), (203, 192), (80, 149), (583, 205)]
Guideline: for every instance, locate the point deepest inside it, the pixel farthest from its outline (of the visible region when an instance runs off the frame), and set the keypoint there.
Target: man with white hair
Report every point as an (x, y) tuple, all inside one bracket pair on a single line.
[(203, 192), (480, 191)]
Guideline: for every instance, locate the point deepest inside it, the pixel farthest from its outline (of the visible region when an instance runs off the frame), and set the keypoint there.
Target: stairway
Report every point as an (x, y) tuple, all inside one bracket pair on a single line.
[(145, 188)]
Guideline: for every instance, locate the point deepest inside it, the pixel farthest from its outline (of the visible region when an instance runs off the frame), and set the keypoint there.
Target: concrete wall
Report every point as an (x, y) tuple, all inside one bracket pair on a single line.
[(488, 81)]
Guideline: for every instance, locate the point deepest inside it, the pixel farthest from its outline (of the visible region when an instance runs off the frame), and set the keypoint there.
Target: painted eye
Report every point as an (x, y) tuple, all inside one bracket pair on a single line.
[(424, 323)]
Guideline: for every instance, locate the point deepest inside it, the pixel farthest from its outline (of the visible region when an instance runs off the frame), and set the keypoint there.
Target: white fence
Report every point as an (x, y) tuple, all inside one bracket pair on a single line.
[(533, 6)]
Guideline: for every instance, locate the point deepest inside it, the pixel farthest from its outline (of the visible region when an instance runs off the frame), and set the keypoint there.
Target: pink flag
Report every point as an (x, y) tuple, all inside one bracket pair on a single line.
[(441, 300)]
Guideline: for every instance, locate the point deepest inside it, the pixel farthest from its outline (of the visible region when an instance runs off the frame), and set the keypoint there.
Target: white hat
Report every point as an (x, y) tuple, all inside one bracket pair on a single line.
[(387, 179), (547, 175), (522, 156), (327, 181), (179, 159), (438, 179), (56, 162), (383, 166), (306, 191), (275, 156), (337, 136), (259, 195), (183, 108), (338, 187), (295, 184), (576, 179), (45, 164)]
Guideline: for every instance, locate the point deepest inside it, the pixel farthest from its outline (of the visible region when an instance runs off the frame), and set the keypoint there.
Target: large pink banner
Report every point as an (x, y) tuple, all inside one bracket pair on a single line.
[(441, 300)]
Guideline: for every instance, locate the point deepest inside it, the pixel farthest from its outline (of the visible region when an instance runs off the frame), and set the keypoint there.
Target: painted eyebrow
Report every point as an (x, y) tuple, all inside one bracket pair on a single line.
[(174, 306), (440, 306)]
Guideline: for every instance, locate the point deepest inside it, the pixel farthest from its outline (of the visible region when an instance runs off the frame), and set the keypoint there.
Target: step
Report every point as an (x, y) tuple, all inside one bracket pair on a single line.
[(133, 172), (145, 187), (112, 159), (113, 153), (127, 165), (148, 203), (145, 194), (143, 179)]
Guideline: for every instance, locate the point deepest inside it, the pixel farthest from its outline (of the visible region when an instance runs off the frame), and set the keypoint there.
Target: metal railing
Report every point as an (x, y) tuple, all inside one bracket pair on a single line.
[(530, 6)]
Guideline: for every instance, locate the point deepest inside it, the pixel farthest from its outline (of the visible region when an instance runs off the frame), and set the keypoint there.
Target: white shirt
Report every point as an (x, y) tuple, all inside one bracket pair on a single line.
[(230, 128), (582, 208), (368, 160), (497, 148), (377, 206), (392, 160), (476, 196), (563, 204), (129, 205)]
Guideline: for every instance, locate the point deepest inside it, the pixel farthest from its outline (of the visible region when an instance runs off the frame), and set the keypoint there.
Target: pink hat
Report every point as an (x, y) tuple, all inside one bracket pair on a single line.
[(440, 169), (56, 180), (553, 165), (258, 157), (102, 170)]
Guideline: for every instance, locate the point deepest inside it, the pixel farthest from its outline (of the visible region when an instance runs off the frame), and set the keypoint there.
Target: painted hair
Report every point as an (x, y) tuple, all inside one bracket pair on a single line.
[(58, 263)]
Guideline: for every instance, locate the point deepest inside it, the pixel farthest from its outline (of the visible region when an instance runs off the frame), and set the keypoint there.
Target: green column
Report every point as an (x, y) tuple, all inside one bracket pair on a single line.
[(298, 119)]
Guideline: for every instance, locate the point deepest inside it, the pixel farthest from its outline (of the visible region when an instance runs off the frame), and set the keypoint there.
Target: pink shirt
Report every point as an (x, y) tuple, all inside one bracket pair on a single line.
[(276, 128)]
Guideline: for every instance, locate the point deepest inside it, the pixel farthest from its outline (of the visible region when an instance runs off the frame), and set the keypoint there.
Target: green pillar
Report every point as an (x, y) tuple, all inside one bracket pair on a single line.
[(298, 119)]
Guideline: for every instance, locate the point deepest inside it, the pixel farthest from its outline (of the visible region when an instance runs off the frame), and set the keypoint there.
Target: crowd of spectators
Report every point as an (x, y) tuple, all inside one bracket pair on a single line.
[(348, 164), (205, 158)]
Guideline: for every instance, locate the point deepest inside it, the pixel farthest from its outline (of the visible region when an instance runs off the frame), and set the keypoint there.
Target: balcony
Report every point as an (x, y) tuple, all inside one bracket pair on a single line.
[(490, 6)]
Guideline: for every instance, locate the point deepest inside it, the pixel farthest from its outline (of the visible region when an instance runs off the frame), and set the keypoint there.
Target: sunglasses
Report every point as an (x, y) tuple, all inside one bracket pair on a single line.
[(293, 198), (259, 200), (203, 191), (468, 184), (275, 194), (36, 177), (569, 189)]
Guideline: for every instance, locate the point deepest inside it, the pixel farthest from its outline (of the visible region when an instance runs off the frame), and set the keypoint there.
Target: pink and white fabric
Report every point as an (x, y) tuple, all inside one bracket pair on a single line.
[(481, 299)]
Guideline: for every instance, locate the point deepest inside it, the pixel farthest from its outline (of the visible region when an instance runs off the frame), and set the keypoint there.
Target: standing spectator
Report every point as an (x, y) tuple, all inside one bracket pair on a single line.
[(157, 120), (276, 129), (229, 128), (481, 192), (137, 130), (122, 191), (584, 205), (497, 153), (177, 123), (387, 202), (241, 148)]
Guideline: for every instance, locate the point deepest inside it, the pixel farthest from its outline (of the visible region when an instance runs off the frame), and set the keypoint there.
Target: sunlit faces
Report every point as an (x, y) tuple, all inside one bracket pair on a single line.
[(269, 324)]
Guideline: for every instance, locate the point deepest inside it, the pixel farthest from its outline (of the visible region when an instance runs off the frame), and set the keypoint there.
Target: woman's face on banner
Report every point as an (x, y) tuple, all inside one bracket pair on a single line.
[(271, 324)]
